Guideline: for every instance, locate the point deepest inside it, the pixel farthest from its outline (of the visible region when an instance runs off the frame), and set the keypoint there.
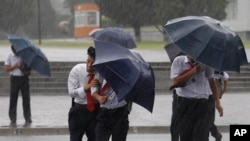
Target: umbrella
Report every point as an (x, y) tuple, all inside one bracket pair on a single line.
[(172, 51), (30, 54), (116, 35), (63, 24), (93, 32), (208, 41), (127, 73)]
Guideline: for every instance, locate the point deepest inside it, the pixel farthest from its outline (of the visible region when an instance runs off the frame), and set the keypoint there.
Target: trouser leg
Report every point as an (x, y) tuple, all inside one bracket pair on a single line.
[(213, 129), (193, 121), (25, 90), (102, 133), (14, 89), (174, 127), (81, 121)]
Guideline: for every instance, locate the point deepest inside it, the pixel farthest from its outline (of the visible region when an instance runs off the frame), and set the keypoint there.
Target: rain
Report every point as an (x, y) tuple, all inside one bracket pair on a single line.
[(60, 32)]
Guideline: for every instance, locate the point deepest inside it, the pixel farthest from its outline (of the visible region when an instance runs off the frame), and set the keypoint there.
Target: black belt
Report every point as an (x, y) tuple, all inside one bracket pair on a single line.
[(17, 76), (84, 105), (190, 99), (115, 109), (80, 105)]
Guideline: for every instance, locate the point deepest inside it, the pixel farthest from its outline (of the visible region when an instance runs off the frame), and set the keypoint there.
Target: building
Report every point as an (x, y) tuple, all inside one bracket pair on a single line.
[(237, 11)]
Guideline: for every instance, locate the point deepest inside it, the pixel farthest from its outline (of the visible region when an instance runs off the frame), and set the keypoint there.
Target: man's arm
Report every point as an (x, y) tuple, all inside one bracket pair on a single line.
[(216, 96), (182, 78), (8, 68)]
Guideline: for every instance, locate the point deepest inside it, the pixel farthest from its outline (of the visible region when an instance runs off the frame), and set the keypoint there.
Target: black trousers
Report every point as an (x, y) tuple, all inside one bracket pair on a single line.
[(213, 129), (174, 126), (194, 117), (19, 83), (112, 123), (81, 121)]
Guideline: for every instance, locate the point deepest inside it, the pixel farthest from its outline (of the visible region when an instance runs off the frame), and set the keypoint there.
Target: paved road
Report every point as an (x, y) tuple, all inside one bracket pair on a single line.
[(51, 111), (130, 137)]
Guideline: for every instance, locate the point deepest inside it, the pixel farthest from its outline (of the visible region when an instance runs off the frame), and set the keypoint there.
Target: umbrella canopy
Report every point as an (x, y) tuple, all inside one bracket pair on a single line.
[(172, 51), (127, 73), (208, 41), (93, 32), (30, 54), (116, 35)]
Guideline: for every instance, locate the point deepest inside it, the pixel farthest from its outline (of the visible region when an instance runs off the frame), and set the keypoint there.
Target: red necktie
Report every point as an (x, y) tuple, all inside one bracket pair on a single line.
[(183, 72), (104, 88), (90, 102)]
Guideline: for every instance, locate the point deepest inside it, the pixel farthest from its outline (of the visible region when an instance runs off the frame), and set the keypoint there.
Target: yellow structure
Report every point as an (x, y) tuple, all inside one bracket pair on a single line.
[(87, 18)]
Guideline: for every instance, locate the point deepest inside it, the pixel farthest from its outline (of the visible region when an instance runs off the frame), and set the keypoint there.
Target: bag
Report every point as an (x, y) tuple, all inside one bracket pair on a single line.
[(25, 68)]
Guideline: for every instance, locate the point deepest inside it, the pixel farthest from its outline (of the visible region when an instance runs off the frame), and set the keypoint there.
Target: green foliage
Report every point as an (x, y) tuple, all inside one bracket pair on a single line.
[(138, 13), (14, 13)]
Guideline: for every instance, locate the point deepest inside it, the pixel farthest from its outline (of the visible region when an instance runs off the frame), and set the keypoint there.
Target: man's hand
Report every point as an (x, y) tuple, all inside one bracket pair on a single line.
[(93, 83), (196, 69), (99, 98), (219, 108)]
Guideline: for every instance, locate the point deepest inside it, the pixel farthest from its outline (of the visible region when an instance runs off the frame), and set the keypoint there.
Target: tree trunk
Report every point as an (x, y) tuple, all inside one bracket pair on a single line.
[(137, 31)]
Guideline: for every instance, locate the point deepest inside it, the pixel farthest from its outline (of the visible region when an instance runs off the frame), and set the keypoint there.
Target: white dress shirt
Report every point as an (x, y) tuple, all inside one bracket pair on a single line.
[(112, 101), (12, 60), (78, 77), (197, 86)]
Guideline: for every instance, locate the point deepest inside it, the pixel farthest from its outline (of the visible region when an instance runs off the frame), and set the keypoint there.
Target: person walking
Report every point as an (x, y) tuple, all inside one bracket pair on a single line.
[(194, 89), (82, 114), (112, 119), (19, 81), (221, 79)]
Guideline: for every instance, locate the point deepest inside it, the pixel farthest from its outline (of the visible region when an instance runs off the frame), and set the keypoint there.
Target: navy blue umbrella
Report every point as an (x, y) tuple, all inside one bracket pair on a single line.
[(208, 41), (30, 54), (172, 51), (127, 73), (115, 35)]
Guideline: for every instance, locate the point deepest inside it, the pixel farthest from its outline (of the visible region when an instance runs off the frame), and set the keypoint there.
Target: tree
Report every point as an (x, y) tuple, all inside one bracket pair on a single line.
[(178, 8), (14, 13), (137, 13), (48, 21)]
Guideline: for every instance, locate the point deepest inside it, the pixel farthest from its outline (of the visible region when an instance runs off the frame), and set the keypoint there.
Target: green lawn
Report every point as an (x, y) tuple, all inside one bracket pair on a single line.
[(77, 44)]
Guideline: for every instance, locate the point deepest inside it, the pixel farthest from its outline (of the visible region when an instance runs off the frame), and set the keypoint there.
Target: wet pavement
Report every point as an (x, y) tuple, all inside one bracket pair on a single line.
[(130, 137), (49, 113)]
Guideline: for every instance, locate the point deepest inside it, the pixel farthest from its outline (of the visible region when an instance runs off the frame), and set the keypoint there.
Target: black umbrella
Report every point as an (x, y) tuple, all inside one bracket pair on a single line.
[(115, 35), (172, 51), (31, 55), (208, 41), (127, 73)]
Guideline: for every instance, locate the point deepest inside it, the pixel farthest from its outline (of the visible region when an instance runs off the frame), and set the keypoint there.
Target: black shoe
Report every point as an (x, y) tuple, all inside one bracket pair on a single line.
[(12, 124), (218, 138), (27, 124)]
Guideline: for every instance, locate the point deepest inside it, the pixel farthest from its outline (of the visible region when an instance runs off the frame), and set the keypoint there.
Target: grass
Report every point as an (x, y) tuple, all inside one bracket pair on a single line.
[(80, 43)]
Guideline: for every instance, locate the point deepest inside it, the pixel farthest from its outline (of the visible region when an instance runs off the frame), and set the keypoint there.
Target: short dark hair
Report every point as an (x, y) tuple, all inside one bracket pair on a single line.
[(91, 51)]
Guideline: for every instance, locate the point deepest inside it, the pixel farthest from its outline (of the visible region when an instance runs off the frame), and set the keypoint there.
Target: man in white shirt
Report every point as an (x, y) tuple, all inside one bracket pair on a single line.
[(82, 114), (221, 79), (112, 120), (19, 81), (193, 94)]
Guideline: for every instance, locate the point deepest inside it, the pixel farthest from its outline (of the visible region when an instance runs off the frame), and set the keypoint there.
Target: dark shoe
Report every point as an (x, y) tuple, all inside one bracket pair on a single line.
[(218, 138), (27, 124), (12, 124)]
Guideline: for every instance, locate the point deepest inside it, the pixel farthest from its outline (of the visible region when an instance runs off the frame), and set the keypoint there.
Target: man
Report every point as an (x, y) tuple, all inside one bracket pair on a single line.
[(112, 119), (193, 89), (82, 114), (19, 81), (221, 79)]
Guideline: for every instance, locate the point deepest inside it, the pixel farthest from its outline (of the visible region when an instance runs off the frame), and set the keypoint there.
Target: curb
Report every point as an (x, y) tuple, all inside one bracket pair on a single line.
[(36, 131)]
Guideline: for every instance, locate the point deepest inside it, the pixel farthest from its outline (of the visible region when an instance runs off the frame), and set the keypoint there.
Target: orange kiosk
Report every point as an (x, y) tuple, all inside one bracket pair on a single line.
[(87, 18)]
